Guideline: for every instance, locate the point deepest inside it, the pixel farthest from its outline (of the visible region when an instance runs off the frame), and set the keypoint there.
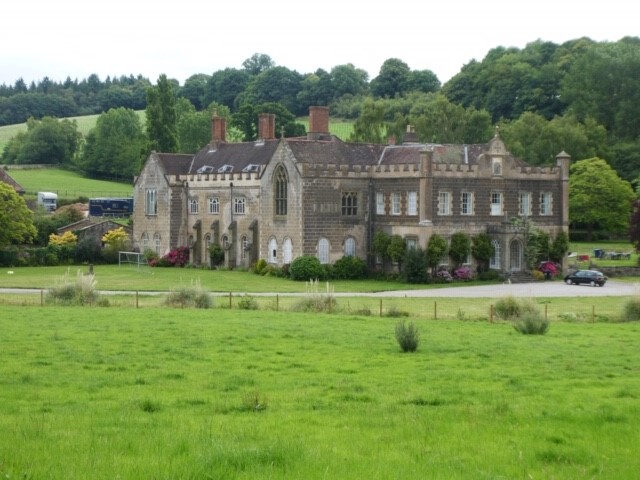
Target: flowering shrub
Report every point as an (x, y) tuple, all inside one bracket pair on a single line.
[(443, 276), (116, 237), (463, 273), (178, 257), (550, 269), (67, 238)]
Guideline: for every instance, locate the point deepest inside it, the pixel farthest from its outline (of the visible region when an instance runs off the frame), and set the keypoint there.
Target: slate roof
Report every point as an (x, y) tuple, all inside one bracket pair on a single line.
[(317, 152), (6, 178), (238, 155), (335, 152), (175, 163)]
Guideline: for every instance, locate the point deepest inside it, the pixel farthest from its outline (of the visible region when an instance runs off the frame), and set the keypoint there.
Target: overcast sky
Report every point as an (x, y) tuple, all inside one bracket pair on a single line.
[(76, 38)]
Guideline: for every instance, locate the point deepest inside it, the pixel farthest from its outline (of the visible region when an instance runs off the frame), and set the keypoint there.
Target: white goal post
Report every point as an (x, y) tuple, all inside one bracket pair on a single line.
[(131, 258)]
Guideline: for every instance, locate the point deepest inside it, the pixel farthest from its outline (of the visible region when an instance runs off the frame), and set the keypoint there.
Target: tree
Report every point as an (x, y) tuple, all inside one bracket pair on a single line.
[(258, 63), (46, 141), (460, 248), (603, 83), (436, 251), (598, 197), (381, 241), (348, 80), (393, 79), (225, 86), (277, 84), (397, 249), (482, 250), (415, 266), (370, 126), (423, 81), (161, 117), (194, 89), (194, 128), (16, 220), (115, 146)]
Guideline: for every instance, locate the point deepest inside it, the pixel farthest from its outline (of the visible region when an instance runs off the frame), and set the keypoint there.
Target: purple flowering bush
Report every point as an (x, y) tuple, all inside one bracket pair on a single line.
[(464, 273), (443, 276)]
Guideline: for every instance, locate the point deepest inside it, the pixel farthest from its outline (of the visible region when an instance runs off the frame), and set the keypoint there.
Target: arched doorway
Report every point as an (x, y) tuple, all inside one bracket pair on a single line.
[(515, 256)]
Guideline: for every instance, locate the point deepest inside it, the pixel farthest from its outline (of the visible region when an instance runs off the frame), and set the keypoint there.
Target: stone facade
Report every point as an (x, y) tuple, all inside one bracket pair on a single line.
[(277, 199)]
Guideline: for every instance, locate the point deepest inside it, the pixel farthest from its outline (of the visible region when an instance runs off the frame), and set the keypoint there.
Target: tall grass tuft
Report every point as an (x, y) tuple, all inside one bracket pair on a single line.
[(408, 336), (631, 310), (82, 291), (511, 308), (531, 323), (193, 296), (317, 301)]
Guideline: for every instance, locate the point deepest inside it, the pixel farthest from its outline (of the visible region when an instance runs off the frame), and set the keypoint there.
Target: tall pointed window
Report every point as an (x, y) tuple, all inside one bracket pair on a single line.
[(280, 184)]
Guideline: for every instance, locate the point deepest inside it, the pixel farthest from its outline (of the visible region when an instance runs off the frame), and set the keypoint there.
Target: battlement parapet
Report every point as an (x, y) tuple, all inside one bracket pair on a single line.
[(216, 179)]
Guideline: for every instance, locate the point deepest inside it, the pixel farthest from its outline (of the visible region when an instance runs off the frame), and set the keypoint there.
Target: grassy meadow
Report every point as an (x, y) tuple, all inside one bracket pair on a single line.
[(108, 393), (338, 127), (67, 184)]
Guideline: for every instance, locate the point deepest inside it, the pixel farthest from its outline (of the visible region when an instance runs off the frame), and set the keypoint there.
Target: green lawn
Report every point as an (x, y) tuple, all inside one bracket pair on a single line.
[(107, 393), (68, 184)]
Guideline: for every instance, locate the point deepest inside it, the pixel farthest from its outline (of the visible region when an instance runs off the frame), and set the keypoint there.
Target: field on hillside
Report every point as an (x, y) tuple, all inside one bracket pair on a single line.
[(108, 393), (340, 128), (67, 184)]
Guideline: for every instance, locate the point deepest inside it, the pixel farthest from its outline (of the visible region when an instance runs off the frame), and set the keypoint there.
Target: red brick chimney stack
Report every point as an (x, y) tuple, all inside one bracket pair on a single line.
[(218, 129), (267, 126), (318, 123)]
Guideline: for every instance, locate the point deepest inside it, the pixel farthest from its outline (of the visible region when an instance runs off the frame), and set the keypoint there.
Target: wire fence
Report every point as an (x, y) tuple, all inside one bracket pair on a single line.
[(585, 309)]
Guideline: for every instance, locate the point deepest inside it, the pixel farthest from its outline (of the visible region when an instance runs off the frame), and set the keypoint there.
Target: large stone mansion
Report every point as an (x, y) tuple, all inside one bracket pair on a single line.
[(280, 198)]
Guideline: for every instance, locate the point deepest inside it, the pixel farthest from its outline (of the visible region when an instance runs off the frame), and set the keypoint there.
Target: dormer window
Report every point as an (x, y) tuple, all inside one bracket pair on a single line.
[(205, 169), (252, 167), (225, 169)]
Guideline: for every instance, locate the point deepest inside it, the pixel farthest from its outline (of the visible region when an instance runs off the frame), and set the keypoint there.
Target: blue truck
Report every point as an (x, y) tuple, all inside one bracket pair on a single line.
[(110, 207)]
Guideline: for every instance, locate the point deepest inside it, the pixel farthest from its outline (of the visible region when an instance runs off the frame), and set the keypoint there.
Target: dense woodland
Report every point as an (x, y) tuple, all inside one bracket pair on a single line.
[(580, 96)]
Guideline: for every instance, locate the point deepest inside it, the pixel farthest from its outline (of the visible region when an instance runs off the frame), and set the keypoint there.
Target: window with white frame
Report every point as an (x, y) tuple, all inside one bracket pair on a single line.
[(546, 203), (239, 205), (412, 243), (323, 250), (207, 241), (151, 201), (525, 204), (145, 241), (273, 251), (225, 242), (287, 251), (496, 203), (380, 203), (214, 205), (395, 204), (350, 247), (444, 203), (412, 203), (494, 261), (193, 205), (466, 203)]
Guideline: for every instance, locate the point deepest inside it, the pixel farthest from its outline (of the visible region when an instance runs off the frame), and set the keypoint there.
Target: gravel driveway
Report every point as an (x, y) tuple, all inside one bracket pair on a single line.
[(536, 289)]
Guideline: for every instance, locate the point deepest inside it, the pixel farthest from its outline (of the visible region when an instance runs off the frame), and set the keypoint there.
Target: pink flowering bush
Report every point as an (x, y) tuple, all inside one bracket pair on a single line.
[(463, 273), (550, 269), (178, 257)]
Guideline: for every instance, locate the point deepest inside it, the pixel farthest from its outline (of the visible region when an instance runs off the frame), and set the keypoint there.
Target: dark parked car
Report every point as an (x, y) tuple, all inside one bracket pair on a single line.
[(591, 277)]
